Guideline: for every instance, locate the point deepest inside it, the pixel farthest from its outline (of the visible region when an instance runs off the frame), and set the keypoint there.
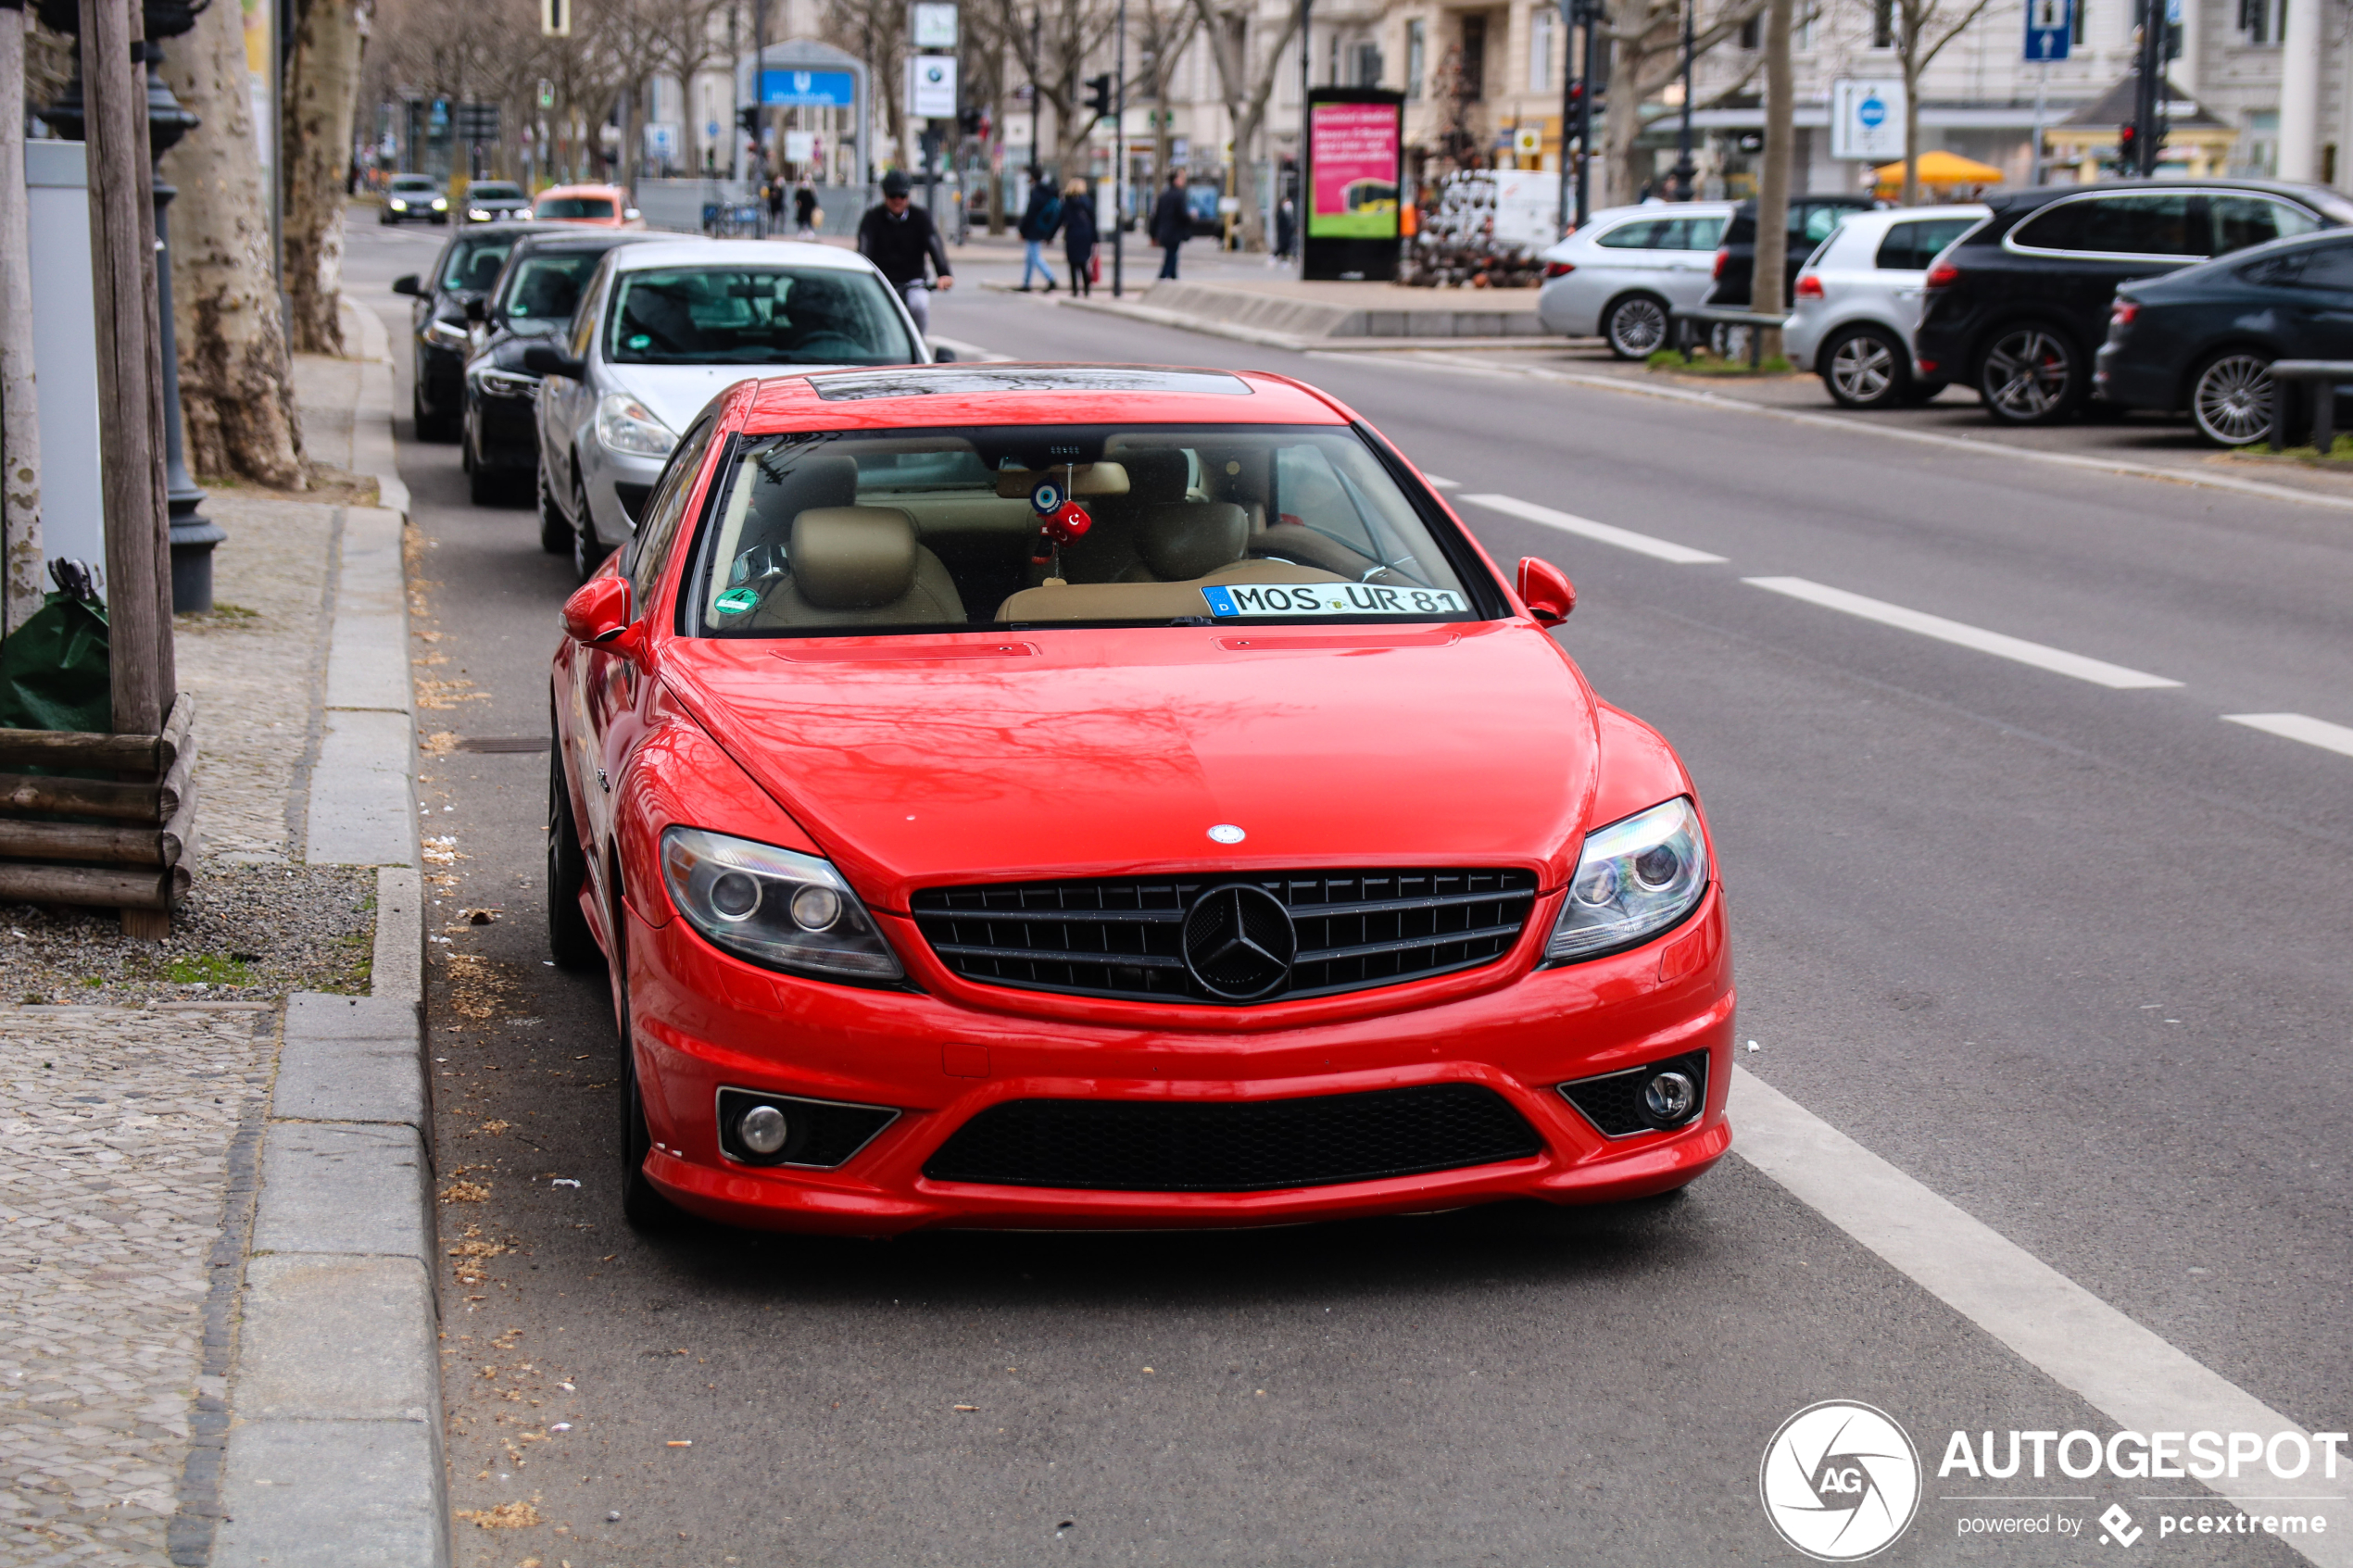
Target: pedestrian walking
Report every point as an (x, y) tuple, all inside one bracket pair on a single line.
[(898, 238), (805, 210), (1286, 228), (1038, 222), (1080, 235), (776, 194), (1172, 222)]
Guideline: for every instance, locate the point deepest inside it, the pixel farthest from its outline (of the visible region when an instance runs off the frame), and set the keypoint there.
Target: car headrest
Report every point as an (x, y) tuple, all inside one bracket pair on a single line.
[(1182, 540), (812, 482), (853, 557)]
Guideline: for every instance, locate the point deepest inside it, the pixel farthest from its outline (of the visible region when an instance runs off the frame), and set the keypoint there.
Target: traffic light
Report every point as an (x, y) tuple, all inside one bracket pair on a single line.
[(968, 121), (1099, 95), (748, 119), (2128, 145)]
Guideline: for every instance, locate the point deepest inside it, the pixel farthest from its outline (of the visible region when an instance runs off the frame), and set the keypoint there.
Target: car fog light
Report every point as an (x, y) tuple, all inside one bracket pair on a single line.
[(816, 908), (735, 896), (763, 1129), (1668, 1097)]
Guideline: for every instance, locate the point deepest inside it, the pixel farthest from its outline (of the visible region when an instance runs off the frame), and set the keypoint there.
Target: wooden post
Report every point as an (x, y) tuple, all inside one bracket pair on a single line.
[(122, 254)]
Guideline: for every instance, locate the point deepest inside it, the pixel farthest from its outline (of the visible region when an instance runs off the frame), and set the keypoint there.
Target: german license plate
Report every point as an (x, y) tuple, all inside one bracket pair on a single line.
[(1246, 600)]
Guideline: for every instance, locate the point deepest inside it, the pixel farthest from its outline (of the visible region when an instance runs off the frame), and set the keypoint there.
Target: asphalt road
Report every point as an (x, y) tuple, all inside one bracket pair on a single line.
[(2067, 947)]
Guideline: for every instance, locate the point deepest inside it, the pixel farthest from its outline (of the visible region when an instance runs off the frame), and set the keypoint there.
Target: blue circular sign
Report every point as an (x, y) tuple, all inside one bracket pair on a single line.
[(1872, 112)]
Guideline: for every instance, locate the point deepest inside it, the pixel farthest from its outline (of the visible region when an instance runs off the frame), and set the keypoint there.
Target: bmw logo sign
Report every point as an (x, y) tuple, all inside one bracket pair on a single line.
[(1046, 499)]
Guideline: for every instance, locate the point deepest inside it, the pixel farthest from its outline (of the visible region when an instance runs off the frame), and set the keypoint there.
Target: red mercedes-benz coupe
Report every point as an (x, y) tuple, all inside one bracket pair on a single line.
[(1065, 796)]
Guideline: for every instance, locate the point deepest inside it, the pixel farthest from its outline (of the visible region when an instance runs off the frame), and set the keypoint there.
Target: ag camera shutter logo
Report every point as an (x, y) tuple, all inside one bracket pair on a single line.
[(1840, 1481)]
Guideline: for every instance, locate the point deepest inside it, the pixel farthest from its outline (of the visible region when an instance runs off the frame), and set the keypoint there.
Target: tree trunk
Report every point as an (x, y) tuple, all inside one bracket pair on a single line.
[(21, 556), (322, 85), (1624, 175), (1772, 189), (236, 391), (1911, 64)]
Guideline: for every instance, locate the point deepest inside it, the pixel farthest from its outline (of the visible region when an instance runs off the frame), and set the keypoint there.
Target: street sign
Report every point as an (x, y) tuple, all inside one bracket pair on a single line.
[(1867, 118), (555, 18), (547, 94), (2050, 25), (931, 87), (932, 24), (475, 122), (800, 146), (1527, 141), (781, 88)]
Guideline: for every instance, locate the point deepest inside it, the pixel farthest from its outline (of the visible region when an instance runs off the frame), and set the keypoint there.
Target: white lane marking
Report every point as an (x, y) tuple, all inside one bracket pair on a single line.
[(2296, 726), (1584, 527), (1438, 484), (2056, 660), (2121, 1368)]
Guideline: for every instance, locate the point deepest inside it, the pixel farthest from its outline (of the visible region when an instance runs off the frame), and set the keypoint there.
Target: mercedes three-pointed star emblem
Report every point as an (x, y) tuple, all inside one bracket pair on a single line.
[(1239, 942)]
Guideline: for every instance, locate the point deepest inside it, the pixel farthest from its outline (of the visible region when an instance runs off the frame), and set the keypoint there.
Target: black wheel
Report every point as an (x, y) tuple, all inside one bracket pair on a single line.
[(555, 528), (1866, 369), (1635, 327), (2231, 398), (2031, 375), (642, 1203), (1926, 391), (484, 488), (587, 552), (431, 425), (570, 941)]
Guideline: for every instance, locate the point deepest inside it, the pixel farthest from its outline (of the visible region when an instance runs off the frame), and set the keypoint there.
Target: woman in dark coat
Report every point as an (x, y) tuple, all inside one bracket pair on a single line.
[(1080, 234)]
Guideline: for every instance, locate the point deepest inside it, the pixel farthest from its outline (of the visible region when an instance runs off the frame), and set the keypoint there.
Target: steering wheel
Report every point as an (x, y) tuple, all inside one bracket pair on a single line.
[(1299, 545)]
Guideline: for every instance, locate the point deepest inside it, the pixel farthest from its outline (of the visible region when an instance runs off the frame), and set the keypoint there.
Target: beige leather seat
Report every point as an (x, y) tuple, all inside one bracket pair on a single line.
[(859, 566), (1184, 546)]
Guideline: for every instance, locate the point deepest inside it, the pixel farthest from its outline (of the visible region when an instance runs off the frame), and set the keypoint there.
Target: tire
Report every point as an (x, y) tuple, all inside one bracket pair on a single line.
[(484, 488), (1636, 326), (587, 552), (570, 941), (1926, 391), (430, 426), (1867, 367), (2231, 398), (555, 528), (2031, 375), (642, 1203)]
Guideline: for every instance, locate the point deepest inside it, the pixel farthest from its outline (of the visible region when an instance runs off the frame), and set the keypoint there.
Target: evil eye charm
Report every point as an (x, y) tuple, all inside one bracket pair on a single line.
[(1046, 499)]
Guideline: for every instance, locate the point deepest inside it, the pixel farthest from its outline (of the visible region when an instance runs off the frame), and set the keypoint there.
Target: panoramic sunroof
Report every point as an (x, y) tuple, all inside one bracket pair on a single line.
[(920, 380)]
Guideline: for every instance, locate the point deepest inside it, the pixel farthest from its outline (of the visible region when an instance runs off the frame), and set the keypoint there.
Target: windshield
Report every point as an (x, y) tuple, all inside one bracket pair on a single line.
[(755, 316), (413, 185), (492, 191), (575, 207), (916, 530), (547, 287), (473, 264)]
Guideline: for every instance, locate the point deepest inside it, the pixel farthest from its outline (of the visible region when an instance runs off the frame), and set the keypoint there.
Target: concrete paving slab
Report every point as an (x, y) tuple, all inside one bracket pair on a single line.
[(343, 1079), (362, 808), (332, 1494), (343, 1188), (317, 1015), (367, 656), (336, 1338)]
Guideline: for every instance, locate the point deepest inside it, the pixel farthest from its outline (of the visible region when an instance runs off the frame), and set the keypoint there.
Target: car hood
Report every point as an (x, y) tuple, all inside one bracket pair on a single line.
[(994, 757), (677, 393)]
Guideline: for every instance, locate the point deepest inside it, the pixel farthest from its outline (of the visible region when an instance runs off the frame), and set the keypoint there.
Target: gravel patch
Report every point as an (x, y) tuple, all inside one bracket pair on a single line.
[(244, 933)]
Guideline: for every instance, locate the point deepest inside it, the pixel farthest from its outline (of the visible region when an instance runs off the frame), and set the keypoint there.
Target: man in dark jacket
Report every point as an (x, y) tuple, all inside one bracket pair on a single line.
[(1038, 223), (1172, 222), (897, 237)]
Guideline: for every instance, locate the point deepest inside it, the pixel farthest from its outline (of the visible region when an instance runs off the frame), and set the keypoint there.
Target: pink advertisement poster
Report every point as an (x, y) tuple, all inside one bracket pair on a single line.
[(1354, 160)]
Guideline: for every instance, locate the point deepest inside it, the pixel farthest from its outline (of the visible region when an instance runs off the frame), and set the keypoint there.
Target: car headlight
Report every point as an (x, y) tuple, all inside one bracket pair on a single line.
[(505, 383), (478, 214), (441, 204), (400, 205), (446, 335), (626, 425), (773, 907), (1634, 878)]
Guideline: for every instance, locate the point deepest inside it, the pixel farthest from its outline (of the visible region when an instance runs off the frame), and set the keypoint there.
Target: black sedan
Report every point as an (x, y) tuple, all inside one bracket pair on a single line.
[(468, 264), (530, 303), (1811, 218), (495, 201), (2204, 338)]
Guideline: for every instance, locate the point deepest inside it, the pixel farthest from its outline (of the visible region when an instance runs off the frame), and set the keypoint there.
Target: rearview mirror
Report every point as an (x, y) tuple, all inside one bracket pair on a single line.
[(477, 309), (542, 360), (1546, 591), (598, 613), (407, 283)]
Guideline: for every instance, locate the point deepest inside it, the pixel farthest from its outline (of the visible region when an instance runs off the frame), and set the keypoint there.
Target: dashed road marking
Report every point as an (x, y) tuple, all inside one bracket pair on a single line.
[(1437, 484), (1602, 532), (2057, 660), (2298, 727)]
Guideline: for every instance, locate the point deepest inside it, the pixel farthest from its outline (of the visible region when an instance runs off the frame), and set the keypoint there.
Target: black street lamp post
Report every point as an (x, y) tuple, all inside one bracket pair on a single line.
[(1686, 174)]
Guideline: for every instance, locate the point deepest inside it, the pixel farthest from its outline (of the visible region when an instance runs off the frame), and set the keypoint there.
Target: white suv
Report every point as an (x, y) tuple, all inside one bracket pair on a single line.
[(1859, 300), (1626, 270)]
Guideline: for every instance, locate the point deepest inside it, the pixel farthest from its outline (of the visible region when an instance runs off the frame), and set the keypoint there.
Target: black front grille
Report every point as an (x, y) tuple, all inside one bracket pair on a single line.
[(1613, 1103), (1124, 937), (1256, 1146)]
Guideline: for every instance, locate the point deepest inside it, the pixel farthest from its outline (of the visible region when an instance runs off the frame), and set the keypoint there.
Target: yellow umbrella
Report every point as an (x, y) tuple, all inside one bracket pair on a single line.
[(1941, 167)]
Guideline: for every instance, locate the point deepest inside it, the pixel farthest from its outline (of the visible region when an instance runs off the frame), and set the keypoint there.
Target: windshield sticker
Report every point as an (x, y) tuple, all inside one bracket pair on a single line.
[(1330, 599), (641, 341), (734, 602)]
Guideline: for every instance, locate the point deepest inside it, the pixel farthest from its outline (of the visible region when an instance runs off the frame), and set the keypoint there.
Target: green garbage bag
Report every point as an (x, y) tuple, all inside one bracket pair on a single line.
[(53, 669)]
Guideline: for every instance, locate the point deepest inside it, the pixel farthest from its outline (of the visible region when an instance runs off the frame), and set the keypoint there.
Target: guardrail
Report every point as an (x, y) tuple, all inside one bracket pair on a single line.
[(1725, 315), (2319, 378)]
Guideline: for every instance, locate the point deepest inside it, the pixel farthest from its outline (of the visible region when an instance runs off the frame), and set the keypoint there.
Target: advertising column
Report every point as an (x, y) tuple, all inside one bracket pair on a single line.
[(1355, 150)]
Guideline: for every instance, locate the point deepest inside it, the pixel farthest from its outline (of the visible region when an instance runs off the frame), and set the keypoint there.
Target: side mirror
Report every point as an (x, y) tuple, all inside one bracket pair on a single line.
[(542, 360), (942, 356), (1546, 591), (630, 215), (598, 613), (408, 283), (478, 310)]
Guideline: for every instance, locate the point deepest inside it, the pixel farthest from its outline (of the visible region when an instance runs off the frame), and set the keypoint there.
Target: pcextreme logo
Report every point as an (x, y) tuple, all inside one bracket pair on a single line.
[(1841, 1481)]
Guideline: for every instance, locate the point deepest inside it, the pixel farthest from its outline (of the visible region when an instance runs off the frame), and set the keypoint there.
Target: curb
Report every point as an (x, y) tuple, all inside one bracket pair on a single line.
[(334, 1456), (1266, 337)]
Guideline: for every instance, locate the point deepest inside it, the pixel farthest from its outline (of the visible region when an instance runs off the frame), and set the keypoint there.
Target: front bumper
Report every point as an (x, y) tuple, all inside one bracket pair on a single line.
[(506, 431), (615, 484), (704, 1022)]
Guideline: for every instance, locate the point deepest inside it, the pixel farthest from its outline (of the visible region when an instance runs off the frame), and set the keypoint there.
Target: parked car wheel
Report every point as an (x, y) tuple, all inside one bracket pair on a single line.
[(1866, 369), (1926, 391), (570, 941), (1635, 327), (2230, 400), (587, 552), (2031, 375), (430, 426), (555, 528), (642, 1203)]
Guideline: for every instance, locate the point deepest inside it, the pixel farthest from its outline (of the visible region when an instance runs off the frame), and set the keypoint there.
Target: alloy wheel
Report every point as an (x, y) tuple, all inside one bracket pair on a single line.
[(555, 528), (2028, 376), (2233, 400), (1637, 328), (1863, 373)]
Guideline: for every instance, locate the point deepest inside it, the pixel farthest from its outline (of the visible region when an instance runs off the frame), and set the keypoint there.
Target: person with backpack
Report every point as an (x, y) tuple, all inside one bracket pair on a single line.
[(1038, 225), (1080, 235)]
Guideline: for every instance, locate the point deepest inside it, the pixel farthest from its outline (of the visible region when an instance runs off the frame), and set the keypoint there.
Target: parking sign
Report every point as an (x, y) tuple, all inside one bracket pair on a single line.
[(2050, 25), (1867, 118)]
